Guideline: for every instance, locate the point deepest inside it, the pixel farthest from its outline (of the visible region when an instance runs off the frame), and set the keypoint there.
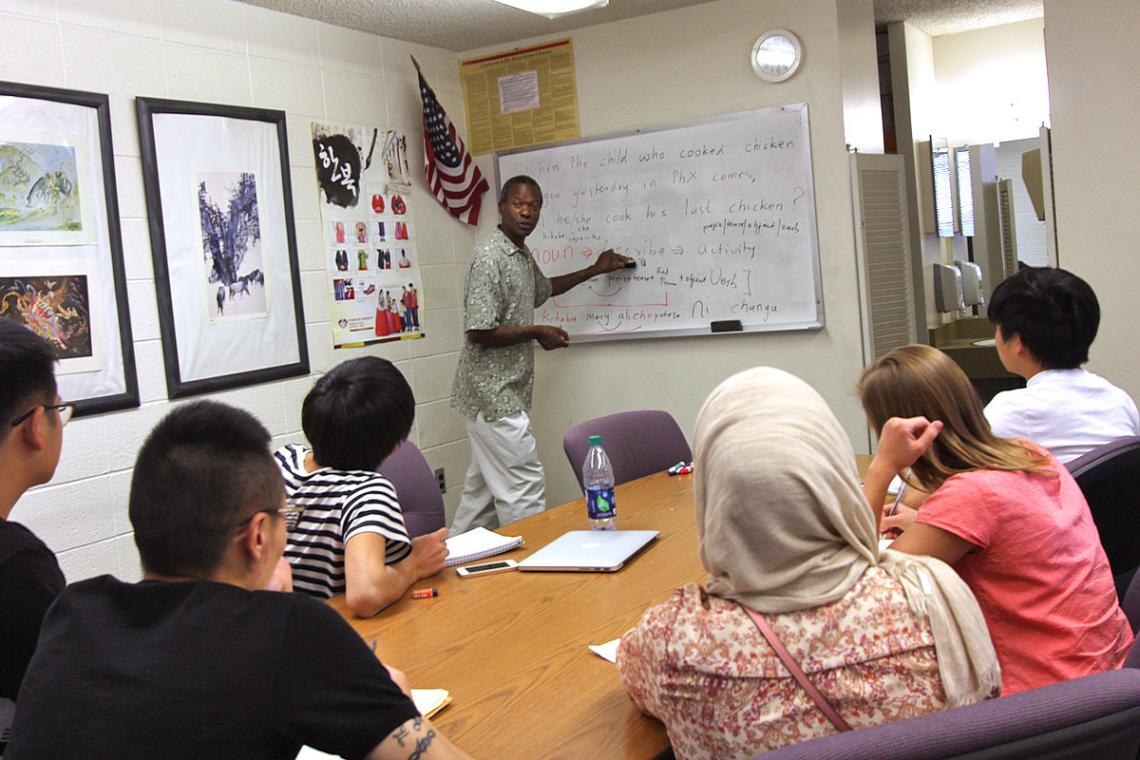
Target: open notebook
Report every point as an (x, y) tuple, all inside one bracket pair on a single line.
[(478, 543), (428, 702)]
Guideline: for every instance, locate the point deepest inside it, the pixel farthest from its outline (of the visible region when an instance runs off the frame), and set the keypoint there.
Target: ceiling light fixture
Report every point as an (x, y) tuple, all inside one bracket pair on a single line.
[(555, 8)]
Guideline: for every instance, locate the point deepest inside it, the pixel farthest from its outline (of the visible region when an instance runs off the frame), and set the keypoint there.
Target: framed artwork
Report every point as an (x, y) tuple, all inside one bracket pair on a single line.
[(61, 251), (225, 251)]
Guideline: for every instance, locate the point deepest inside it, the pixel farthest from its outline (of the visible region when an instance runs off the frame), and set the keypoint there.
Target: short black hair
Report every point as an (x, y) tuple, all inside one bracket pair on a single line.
[(357, 414), (520, 179), (1053, 312), (204, 469), (27, 372)]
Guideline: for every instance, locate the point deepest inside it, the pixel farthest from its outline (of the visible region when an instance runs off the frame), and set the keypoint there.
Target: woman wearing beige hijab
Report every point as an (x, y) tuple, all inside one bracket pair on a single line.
[(786, 532)]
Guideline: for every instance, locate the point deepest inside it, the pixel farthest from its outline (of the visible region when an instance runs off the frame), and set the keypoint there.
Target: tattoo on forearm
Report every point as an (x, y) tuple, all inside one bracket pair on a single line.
[(417, 722), (400, 734), (422, 745)]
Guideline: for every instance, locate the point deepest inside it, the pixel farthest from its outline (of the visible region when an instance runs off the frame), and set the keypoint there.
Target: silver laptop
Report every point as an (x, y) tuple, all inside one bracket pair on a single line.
[(590, 551)]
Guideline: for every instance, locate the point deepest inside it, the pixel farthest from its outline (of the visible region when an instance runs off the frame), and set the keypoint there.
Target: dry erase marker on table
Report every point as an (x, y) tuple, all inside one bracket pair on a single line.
[(425, 593)]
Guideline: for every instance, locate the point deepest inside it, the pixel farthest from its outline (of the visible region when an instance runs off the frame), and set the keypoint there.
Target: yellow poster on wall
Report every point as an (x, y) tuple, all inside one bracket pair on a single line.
[(522, 97)]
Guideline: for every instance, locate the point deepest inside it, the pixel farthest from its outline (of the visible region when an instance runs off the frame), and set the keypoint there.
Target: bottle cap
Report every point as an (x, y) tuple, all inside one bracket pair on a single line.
[(594, 440)]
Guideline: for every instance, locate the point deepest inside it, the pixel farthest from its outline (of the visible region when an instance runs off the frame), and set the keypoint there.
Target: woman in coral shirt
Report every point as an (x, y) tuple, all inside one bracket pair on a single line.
[(785, 532), (1007, 516)]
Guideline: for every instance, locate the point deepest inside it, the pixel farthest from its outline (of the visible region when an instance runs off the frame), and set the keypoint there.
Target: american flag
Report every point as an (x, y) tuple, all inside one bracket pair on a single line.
[(454, 180)]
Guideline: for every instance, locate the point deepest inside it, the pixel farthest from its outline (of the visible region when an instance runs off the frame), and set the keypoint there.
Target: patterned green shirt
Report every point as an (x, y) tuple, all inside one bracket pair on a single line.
[(504, 285)]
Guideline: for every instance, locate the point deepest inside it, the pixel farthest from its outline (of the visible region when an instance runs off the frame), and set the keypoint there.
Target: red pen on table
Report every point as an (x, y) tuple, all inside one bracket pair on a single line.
[(425, 593)]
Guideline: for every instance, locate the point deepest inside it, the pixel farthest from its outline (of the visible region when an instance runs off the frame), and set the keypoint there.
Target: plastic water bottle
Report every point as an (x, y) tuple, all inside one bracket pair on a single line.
[(598, 478)]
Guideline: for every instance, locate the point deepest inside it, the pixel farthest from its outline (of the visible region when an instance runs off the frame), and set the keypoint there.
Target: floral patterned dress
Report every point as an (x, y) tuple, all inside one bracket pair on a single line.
[(697, 663)]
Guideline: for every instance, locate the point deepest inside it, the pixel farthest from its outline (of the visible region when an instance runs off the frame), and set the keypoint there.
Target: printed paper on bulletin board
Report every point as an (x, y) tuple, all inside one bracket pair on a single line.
[(520, 98), (371, 253)]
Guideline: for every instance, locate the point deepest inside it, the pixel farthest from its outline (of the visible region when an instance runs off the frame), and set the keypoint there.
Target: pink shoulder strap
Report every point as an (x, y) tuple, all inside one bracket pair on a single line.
[(795, 669)]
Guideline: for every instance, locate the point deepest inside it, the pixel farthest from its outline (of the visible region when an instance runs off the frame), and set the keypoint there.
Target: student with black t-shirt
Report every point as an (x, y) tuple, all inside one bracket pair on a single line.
[(31, 433), (195, 661)]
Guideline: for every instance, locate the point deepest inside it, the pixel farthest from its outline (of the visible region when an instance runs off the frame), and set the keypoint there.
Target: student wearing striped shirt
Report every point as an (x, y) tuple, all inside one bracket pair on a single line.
[(351, 537)]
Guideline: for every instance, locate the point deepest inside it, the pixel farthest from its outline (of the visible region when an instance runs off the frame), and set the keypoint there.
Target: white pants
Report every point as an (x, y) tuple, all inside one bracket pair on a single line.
[(505, 481)]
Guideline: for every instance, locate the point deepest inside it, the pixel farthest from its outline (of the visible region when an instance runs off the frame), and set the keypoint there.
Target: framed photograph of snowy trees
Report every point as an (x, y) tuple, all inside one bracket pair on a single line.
[(222, 236), (61, 251)]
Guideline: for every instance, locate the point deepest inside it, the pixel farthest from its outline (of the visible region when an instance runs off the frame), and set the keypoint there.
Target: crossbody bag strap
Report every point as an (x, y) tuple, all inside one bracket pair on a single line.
[(795, 669)]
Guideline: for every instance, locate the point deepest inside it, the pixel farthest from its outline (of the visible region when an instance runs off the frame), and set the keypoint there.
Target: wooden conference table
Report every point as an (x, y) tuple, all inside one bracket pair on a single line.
[(512, 647)]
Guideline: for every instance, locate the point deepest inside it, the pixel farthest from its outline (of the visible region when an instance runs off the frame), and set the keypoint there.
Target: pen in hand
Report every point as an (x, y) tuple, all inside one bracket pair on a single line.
[(895, 532), (898, 500)]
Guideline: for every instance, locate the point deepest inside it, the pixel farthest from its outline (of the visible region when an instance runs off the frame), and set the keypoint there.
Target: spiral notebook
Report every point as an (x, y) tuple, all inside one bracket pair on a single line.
[(478, 543)]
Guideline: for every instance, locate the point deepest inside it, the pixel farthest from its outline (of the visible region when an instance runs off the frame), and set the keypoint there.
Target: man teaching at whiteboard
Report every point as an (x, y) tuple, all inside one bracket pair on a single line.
[(495, 376)]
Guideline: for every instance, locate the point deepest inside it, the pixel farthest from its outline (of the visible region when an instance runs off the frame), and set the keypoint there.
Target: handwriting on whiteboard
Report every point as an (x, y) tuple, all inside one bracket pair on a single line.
[(719, 217)]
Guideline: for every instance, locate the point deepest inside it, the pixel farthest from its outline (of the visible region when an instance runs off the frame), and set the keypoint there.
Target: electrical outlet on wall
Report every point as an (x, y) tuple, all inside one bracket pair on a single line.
[(439, 478)]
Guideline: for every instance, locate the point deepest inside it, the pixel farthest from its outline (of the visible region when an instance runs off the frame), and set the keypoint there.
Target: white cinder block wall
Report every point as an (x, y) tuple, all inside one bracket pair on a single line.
[(221, 51)]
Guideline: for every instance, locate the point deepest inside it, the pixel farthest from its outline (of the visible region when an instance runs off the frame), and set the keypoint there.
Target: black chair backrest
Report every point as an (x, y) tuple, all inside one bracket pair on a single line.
[(1130, 602), (1109, 477)]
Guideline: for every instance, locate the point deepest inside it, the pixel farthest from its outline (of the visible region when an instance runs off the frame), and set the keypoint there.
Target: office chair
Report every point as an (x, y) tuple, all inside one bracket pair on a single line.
[(1095, 716), (638, 443), (416, 486), (1109, 477)]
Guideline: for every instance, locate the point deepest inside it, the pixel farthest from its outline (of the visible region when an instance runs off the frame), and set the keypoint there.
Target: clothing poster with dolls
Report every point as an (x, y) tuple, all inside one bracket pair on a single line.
[(365, 189)]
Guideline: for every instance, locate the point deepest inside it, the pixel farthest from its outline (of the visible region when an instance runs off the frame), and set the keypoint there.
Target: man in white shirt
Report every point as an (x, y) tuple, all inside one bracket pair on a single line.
[(1045, 320)]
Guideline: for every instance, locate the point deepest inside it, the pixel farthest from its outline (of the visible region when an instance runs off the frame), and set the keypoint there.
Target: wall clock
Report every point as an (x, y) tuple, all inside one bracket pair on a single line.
[(776, 55)]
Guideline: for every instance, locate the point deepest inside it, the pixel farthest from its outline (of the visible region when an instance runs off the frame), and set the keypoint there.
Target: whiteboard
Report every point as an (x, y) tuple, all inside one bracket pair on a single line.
[(719, 215)]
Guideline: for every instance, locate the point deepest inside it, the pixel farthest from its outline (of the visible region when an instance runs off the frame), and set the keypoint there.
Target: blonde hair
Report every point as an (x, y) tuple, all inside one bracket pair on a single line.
[(920, 381)]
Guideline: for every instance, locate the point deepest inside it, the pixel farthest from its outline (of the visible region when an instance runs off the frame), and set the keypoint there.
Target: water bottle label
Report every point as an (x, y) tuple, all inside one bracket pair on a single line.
[(600, 503)]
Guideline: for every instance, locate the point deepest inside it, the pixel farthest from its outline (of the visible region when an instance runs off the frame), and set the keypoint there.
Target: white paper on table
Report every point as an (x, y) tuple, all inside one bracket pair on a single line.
[(607, 651), (430, 701)]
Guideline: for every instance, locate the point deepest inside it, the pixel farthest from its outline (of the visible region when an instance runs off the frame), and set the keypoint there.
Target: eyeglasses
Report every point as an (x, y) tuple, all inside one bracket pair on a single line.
[(294, 512), (65, 412)]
